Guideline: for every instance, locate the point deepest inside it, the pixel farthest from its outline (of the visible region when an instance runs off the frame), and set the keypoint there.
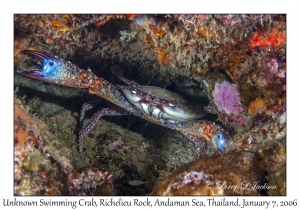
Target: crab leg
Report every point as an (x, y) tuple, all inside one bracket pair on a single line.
[(87, 106), (95, 118), (61, 72), (202, 143), (207, 130)]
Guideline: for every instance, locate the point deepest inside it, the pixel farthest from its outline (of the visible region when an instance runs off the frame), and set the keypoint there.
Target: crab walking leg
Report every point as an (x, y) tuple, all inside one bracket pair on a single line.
[(201, 142), (87, 106), (95, 118)]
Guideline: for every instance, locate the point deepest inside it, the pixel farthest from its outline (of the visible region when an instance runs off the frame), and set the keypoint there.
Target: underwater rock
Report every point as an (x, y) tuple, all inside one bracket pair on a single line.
[(240, 173), (90, 181), (35, 171), (41, 169)]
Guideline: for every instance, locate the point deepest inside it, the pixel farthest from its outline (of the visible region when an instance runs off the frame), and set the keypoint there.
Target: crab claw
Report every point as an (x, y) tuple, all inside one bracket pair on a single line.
[(56, 70), (220, 140)]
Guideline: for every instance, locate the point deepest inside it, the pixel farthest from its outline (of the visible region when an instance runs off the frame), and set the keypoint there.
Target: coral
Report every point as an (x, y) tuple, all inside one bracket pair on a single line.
[(227, 98)]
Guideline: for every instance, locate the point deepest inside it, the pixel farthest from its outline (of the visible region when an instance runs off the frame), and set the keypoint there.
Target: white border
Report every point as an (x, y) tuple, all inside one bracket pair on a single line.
[(8, 8)]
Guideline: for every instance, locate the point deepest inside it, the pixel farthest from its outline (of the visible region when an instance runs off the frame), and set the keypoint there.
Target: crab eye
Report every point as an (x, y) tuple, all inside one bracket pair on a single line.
[(51, 63)]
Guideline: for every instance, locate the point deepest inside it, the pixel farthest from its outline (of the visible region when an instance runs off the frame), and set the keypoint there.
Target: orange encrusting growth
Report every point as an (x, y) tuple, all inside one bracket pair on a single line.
[(256, 106), (57, 24), (131, 15), (20, 134), (158, 32), (163, 59), (244, 143), (208, 131), (205, 33), (275, 38)]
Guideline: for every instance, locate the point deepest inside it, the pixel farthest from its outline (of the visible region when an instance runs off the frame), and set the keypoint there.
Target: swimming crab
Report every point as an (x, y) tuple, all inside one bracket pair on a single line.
[(151, 103)]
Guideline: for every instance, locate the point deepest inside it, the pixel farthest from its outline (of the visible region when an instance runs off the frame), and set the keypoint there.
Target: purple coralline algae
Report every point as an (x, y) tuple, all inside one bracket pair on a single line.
[(227, 98)]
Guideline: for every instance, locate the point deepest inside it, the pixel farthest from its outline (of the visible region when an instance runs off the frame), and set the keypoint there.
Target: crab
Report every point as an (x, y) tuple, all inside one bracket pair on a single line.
[(151, 103), (158, 103)]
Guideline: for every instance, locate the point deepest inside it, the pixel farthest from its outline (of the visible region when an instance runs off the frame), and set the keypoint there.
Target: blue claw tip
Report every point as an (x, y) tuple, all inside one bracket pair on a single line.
[(51, 66), (220, 142)]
